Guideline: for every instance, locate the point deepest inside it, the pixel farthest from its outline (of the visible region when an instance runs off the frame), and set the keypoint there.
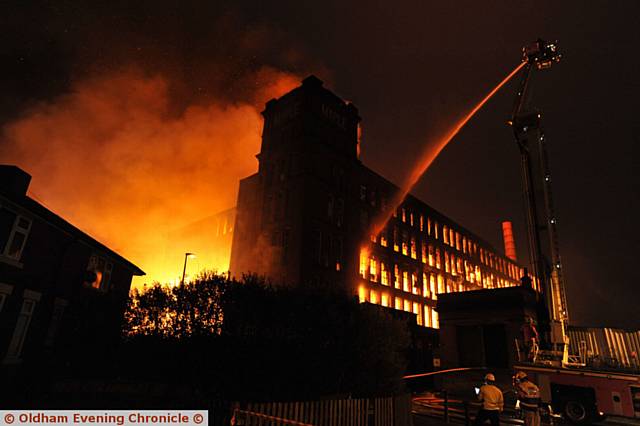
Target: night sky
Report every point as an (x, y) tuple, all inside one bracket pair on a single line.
[(412, 68)]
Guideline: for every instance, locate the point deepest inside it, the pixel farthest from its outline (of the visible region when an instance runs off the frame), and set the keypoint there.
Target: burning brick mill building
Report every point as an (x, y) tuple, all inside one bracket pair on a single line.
[(305, 215)]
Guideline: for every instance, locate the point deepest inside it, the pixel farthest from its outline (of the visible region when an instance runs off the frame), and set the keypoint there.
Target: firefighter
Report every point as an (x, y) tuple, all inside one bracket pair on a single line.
[(529, 338), (492, 402), (529, 397)]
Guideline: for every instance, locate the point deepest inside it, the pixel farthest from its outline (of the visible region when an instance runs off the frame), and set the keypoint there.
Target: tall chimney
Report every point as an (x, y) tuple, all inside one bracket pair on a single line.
[(509, 242)]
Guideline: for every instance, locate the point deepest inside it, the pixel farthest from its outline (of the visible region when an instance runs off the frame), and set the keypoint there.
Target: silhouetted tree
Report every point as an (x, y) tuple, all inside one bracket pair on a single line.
[(191, 308), (248, 340)]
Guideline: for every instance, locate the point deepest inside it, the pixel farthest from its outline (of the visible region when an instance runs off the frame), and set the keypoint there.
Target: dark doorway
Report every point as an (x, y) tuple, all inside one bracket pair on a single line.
[(469, 339), (495, 346)]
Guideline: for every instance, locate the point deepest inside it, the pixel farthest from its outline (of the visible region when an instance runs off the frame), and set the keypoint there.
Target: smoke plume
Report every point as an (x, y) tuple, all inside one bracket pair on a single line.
[(114, 158)]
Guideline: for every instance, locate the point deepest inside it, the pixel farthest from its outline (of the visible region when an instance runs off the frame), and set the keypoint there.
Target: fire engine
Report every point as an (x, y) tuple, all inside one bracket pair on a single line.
[(581, 393)]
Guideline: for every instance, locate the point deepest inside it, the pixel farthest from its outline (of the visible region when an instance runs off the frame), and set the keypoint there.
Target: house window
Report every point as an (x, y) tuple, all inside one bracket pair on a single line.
[(56, 318), (98, 273), (5, 291), (14, 230), (22, 326), (363, 193)]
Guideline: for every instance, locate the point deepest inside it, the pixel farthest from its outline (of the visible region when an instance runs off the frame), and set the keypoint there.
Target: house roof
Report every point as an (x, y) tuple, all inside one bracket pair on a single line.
[(8, 191)]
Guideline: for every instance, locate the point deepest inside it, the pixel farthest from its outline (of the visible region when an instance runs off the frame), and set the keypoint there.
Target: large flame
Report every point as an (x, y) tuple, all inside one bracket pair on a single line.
[(113, 158)]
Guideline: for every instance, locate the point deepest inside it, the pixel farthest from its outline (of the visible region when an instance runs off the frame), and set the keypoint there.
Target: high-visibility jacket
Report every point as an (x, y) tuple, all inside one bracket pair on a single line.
[(529, 395), (491, 397)]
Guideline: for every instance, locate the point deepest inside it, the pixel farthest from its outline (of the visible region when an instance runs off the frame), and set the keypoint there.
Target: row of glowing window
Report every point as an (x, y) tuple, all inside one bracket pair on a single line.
[(449, 236), (410, 282), (451, 264), (425, 314)]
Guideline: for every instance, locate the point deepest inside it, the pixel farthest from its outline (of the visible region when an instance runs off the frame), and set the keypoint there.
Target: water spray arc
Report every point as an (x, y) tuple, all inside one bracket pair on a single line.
[(430, 154)]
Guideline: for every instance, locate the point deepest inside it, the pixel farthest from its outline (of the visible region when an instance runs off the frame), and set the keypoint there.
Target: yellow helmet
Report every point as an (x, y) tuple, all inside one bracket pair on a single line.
[(520, 375), (490, 377)]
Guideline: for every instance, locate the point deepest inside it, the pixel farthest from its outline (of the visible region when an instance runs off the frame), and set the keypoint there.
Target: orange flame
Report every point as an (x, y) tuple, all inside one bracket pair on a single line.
[(430, 154)]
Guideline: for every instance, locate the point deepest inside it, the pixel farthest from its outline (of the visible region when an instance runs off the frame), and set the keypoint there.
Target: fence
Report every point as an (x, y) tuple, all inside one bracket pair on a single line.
[(390, 411), (610, 346)]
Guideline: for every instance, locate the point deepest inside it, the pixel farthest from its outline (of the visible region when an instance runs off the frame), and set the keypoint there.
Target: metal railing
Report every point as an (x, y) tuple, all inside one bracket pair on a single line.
[(451, 410)]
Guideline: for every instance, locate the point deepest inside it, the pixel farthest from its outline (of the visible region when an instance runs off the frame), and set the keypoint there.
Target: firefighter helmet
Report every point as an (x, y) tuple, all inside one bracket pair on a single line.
[(490, 377), (520, 375)]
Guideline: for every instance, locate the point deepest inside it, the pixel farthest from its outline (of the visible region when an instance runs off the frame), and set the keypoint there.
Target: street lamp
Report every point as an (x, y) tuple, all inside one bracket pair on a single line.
[(184, 269)]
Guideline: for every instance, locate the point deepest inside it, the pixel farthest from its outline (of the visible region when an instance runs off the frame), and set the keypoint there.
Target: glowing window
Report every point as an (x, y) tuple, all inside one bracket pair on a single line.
[(414, 254), (458, 242), (425, 285), (405, 281), (438, 260), (383, 239), (396, 275), (384, 300), (362, 294), (398, 304), (423, 249), (445, 234), (454, 272), (441, 288), (396, 241), (415, 288), (427, 316), (431, 257), (411, 218), (435, 323), (416, 310), (373, 270), (407, 305), (435, 229), (374, 297), (384, 274), (446, 261), (432, 286), (363, 264), (405, 244), (452, 241), (99, 273), (421, 223), (404, 215)]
